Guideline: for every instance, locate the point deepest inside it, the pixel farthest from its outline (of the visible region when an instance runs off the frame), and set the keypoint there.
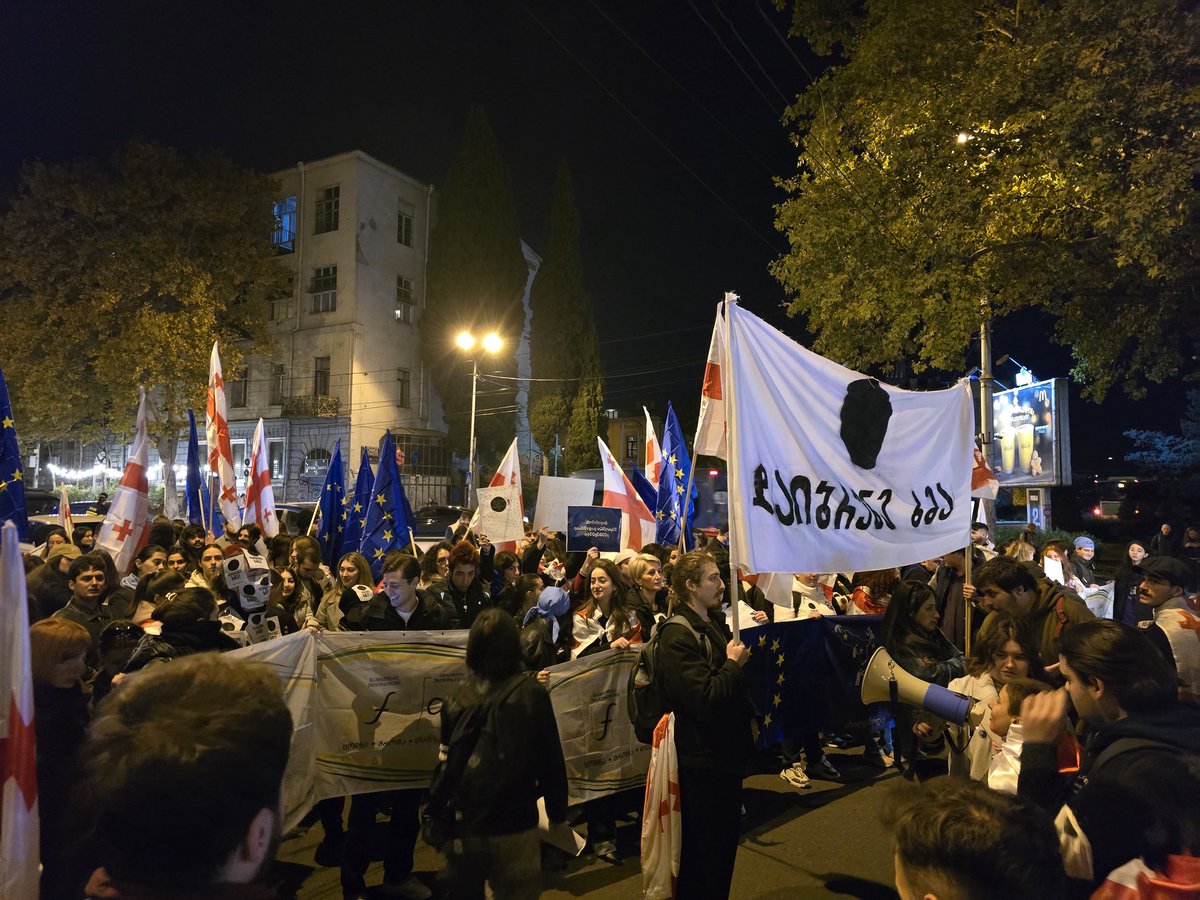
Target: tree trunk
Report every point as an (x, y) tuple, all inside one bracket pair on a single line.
[(168, 444)]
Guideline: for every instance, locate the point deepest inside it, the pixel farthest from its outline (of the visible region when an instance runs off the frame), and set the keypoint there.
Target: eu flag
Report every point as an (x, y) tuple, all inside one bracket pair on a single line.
[(199, 507), (355, 507), (12, 476), (331, 510), (674, 480), (389, 517), (647, 491)]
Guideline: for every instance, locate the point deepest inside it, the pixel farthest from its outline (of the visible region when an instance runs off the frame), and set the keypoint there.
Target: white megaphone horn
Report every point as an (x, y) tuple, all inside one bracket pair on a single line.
[(885, 681)]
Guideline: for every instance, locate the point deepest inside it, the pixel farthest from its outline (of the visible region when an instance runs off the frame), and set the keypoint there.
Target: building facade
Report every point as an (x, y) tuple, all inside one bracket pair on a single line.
[(346, 364)]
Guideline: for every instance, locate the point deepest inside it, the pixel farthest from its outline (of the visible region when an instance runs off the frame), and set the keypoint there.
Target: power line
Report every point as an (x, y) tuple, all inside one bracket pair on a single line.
[(737, 215)]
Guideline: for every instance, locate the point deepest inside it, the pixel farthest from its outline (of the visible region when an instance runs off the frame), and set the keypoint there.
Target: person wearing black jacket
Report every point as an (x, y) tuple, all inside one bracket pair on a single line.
[(398, 607), (1124, 691), (462, 593), (516, 759), (703, 684)]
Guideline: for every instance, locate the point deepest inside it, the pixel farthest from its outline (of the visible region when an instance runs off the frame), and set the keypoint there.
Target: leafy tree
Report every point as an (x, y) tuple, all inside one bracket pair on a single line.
[(121, 273), (971, 160), (562, 339), (476, 282)]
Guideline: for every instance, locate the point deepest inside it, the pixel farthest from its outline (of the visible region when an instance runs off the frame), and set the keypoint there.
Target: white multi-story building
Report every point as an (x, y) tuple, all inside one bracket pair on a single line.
[(347, 359)]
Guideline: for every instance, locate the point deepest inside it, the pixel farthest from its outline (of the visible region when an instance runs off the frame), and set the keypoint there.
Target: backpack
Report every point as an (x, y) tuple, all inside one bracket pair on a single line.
[(643, 691), (452, 788)]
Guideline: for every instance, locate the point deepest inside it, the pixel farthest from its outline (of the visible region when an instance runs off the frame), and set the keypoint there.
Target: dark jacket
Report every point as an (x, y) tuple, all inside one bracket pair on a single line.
[(1056, 608), (48, 591), (1126, 607), (708, 693), (180, 639), (1165, 544), (537, 644), (60, 720), (1114, 803), (910, 653), (1085, 569), (466, 606), (527, 762), (382, 616)]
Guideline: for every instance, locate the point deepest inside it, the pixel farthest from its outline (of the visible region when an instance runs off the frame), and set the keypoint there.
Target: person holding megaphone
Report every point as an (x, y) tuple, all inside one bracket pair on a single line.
[(912, 637)]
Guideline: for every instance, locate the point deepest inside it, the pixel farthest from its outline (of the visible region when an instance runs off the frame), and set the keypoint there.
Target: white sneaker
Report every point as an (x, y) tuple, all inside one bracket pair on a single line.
[(795, 776), (411, 888)]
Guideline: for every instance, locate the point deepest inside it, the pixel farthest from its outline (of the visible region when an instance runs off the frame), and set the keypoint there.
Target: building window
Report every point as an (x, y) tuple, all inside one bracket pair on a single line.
[(404, 226), (403, 388), (323, 289), (278, 377), (328, 202), (281, 306), (236, 391), (283, 236), (406, 300), (241, 462), (276, 456), (321, 376), (631, 447), (316, 463)]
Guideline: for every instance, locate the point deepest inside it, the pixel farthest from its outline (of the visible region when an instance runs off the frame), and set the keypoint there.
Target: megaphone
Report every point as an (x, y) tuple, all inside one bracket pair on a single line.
[(885, 681)]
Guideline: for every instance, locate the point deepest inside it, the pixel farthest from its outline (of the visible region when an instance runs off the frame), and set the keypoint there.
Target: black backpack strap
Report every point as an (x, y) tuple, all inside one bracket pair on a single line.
[(701, 637), (1127, 745)]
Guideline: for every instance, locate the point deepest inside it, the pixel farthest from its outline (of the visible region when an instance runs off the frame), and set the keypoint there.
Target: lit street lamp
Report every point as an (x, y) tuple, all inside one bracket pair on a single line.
[(491, 344)]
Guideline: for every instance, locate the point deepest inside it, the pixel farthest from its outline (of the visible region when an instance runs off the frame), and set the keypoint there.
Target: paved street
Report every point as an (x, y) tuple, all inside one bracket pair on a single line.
[(822, 842)]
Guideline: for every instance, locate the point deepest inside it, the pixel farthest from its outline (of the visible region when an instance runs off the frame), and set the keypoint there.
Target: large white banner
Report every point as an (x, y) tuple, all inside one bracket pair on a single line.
[(367, 713), (602, 753), (832, 471)]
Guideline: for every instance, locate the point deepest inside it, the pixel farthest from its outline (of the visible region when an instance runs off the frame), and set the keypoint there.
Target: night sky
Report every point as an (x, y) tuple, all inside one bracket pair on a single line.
[(667, 112)]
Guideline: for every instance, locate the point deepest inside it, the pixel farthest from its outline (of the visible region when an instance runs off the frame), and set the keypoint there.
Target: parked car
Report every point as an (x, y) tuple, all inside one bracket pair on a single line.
[(40, 525), (295, 516), (432, 521)]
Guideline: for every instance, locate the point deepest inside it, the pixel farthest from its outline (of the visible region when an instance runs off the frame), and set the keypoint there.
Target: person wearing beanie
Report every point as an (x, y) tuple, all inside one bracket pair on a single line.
[(47, 586), (1081, 559)]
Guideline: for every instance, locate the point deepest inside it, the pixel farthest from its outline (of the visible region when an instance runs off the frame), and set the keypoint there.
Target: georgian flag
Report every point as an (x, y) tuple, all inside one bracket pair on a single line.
[(126, 525), (260, 498), (637, 522), (662, 820), (509, 473), (710, 430), (19, 850), (65, 521), (654, 454), (220, 455)]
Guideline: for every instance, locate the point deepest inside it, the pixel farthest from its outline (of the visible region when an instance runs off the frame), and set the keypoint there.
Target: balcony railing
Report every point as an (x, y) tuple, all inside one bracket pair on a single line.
[(311, 405)]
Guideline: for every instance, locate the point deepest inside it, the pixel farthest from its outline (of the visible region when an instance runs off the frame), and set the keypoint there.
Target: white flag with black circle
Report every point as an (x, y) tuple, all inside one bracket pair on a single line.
[(831, 470), (500, 513)]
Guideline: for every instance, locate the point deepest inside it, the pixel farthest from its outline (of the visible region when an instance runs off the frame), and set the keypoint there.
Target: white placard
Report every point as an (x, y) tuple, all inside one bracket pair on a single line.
[(555, 495), (500, 513)]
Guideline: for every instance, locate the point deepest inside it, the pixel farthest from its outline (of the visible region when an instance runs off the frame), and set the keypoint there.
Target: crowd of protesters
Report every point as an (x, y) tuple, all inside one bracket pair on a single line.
[(1082, 737)]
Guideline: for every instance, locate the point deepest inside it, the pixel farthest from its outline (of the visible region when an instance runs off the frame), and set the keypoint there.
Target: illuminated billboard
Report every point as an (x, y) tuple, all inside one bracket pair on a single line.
[(1031, 442)]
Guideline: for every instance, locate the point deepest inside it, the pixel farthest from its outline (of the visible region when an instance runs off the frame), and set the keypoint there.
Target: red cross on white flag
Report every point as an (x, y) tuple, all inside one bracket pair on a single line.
[(637, 522), (220, 455), (126, 525), (652, 461), (19, 849), (260, 498), (509, 472)]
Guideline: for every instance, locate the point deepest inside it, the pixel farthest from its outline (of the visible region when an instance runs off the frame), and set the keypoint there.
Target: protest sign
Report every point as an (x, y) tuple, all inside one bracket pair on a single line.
[(593, 526), (555, 495), (601, 752), (499, 513)]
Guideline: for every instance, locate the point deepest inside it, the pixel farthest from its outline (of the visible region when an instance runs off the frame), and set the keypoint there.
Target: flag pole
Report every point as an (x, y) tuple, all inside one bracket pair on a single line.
[(412, 540), (313, 520), (200, 506), (212, 494), (687, 502), (967, 560), (730, 420)]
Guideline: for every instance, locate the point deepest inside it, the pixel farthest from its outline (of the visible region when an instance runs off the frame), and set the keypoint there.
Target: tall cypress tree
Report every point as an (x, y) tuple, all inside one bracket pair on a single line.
[(563, 340), (476, 281)]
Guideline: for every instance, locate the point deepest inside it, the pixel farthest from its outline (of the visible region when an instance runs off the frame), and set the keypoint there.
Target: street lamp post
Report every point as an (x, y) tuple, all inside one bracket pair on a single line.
[(466, 342)]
